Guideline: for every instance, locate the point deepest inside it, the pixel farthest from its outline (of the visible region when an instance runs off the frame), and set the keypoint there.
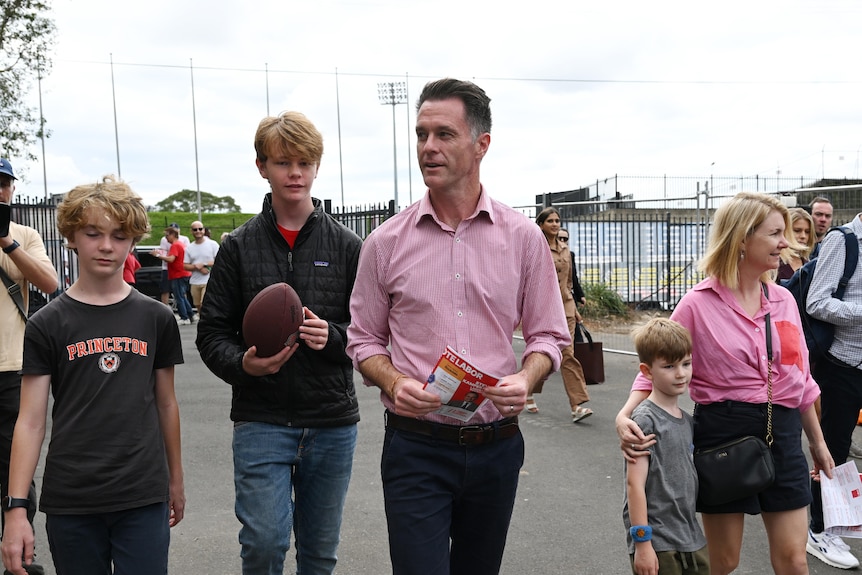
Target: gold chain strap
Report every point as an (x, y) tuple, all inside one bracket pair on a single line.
[(769, 438)]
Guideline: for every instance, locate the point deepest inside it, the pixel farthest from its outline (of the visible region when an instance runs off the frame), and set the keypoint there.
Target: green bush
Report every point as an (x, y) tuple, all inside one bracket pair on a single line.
[(602, 301)]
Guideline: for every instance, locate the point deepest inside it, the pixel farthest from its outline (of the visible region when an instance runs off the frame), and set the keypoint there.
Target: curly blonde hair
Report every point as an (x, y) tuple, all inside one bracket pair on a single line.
[(113, 197)]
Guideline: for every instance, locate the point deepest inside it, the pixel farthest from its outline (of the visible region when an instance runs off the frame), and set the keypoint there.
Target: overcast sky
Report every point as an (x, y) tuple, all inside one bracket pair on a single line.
[(580, 90)]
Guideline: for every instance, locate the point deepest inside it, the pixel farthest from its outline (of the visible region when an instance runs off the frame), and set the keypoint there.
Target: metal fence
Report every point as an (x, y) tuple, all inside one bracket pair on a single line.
[(639, 236), (42, 216), (362, 219)]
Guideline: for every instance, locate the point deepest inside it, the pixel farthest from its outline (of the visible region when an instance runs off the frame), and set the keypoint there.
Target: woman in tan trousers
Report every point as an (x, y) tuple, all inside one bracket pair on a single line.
[(573, 376)]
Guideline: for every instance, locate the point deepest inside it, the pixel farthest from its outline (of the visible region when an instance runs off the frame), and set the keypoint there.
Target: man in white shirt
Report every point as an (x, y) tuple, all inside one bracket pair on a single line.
[(199, 259)]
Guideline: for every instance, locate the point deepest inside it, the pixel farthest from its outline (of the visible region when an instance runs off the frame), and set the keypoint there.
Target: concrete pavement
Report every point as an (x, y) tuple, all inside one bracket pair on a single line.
[(567, 517)]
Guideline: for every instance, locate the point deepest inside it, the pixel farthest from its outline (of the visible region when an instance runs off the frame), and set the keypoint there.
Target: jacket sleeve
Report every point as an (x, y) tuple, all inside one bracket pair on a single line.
[(218, 339), (336, 345), (577, 289)]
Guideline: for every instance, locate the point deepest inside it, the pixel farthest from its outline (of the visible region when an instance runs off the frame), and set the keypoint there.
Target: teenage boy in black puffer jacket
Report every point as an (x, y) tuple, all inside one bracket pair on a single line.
[(294, 413)]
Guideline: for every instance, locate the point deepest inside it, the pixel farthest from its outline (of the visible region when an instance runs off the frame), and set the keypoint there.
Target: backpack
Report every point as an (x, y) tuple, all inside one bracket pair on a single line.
[(818, 333)]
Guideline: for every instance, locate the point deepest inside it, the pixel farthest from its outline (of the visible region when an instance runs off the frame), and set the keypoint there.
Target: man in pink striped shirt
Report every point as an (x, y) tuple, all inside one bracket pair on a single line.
[(455, 269)]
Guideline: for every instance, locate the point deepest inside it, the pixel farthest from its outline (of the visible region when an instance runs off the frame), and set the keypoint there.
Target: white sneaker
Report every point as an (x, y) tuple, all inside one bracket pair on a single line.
[(831, 549), (855, 450), (184, 322)]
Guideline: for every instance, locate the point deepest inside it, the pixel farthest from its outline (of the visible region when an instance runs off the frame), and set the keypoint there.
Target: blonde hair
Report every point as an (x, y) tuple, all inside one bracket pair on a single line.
[(288, 135), (661, 338), (800, 251), (114, 197), (734, 222)]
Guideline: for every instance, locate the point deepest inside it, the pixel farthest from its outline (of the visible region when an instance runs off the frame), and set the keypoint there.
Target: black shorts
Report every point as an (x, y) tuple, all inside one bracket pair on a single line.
[(164, 283), (724, 421)]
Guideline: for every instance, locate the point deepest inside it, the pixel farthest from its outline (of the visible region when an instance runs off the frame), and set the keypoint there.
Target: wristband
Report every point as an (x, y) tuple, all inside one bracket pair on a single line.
[(11, 247), (640, 533), (13, 502)]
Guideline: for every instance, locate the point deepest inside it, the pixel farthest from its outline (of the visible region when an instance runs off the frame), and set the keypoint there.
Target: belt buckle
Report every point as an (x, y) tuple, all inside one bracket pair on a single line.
[(468, 429)]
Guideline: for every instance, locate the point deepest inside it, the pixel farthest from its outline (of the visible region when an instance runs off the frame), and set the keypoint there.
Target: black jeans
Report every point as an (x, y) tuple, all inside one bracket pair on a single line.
[(840, 402)]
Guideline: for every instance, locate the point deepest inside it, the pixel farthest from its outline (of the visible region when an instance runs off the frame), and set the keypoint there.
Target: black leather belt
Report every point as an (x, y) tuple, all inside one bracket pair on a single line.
[(467, 435)]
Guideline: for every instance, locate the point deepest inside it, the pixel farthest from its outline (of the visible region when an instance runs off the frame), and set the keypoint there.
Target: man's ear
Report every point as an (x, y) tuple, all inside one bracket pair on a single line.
[(646, 371)]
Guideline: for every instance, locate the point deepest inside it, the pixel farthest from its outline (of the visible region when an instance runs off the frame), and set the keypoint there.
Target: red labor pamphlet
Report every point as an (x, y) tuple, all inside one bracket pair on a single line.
[(459, 384)]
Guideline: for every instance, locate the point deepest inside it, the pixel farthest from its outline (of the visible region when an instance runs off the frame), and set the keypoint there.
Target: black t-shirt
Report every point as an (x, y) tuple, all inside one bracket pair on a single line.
[(106, 451)]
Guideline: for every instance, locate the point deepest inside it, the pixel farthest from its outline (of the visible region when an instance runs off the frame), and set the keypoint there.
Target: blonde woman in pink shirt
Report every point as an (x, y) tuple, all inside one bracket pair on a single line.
[(726, 315)]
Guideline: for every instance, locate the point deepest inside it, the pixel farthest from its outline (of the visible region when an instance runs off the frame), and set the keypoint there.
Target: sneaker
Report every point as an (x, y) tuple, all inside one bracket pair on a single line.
[(195, 318), (184, 322), (855, 450), (831, 549)]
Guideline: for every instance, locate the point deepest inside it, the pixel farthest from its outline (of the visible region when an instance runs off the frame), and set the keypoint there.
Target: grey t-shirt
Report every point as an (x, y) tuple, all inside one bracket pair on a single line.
[(671, 487)]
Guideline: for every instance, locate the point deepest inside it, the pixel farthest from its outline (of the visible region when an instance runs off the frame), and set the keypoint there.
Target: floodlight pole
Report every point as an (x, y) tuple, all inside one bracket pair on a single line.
[(195, 127), (392, 94)]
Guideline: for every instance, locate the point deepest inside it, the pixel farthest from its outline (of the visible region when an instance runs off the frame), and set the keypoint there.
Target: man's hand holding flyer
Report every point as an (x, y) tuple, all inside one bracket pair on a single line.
[(459, 384)]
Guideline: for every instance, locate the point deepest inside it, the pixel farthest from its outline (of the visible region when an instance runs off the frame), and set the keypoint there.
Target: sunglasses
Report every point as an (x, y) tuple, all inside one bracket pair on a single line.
[(563, 239), (197, 229)]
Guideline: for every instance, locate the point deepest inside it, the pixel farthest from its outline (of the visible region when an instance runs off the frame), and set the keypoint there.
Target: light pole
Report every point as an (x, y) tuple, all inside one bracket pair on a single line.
[(393, 93)]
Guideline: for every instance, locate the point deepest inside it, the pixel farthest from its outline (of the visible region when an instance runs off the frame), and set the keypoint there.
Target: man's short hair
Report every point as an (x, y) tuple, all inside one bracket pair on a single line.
[(112, 196), (172, 231), (819, 200), (477, 104), (661, 338), (290, 134)]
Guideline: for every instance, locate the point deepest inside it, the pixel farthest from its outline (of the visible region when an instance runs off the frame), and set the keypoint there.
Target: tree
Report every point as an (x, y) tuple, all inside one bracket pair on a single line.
[(187, 201), (26, 38)]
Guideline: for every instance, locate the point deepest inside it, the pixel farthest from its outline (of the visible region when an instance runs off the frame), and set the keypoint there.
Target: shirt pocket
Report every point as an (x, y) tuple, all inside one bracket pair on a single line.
[(790, 338)]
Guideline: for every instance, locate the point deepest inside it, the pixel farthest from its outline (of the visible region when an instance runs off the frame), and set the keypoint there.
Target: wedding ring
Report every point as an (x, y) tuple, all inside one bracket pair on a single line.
[(511, 408), (633, 446)]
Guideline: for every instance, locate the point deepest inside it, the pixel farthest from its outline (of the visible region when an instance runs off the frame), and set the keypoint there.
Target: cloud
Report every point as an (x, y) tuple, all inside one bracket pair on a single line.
[(579, 92)]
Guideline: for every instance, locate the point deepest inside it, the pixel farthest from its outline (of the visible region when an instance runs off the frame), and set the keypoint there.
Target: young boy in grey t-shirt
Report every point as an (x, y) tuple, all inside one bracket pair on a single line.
[(664, 535)]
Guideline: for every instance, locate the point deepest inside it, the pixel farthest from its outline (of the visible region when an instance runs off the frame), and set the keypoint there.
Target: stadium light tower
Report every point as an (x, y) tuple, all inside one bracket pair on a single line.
[(392, 94)]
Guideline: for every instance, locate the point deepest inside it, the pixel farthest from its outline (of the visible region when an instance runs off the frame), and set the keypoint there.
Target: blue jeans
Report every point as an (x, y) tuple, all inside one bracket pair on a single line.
[(135, 541), (448, 507), (180, 289), (290, 477)]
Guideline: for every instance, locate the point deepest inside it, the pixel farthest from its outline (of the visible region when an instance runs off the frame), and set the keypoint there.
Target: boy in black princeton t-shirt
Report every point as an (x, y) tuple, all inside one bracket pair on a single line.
[(107, 353)]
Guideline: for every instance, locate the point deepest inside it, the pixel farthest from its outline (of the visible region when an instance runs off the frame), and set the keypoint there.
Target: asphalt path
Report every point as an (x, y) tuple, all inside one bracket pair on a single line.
[(567, 517)]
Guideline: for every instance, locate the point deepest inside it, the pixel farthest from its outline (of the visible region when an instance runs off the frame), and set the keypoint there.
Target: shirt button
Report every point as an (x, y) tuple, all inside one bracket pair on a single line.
[(463, 352), (757, 329), (457, 240), (460, 314), (457, 276)]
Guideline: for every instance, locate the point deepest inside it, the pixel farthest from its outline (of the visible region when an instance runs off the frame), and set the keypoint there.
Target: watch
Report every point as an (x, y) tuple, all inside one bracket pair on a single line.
[(11, 247), (13, 502)]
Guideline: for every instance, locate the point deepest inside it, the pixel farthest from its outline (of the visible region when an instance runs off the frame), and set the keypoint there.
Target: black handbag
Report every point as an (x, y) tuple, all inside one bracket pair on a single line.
[(734, 470), (742, 467), (590, 355)]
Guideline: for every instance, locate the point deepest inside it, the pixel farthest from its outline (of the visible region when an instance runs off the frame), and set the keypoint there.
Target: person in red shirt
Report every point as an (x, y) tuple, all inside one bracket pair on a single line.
[(178, 275), (129, 268)]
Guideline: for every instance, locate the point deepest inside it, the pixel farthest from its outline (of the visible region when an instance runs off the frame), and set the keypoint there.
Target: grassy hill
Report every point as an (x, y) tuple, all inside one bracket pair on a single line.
[(218, 223)]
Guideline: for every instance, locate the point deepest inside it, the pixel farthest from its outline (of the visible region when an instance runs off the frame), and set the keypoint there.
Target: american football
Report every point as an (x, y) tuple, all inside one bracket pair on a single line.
[(272, 319)]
